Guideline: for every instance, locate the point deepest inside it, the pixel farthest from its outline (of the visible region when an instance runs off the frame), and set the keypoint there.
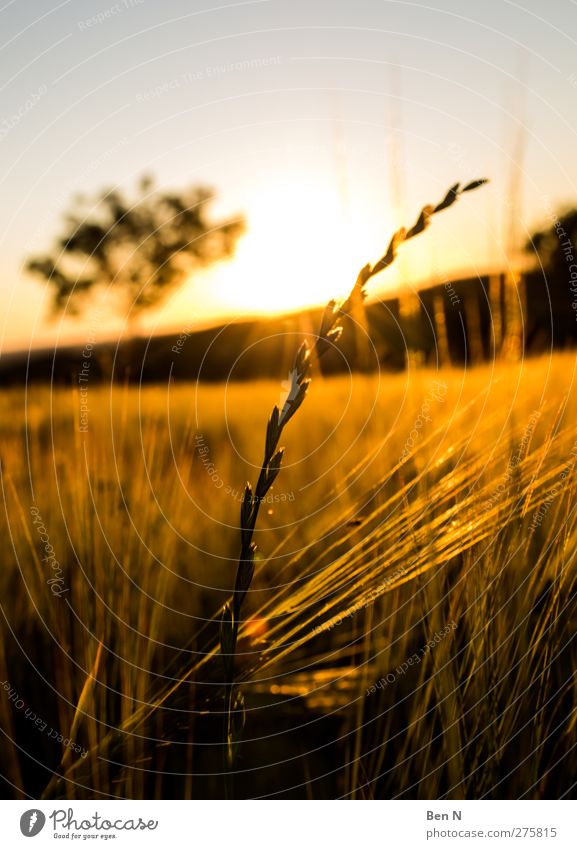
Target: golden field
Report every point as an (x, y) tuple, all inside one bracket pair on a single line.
[(428, 515)]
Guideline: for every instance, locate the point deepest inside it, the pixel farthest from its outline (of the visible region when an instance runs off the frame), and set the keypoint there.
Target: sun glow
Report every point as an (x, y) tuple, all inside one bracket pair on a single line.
[(302, 248)]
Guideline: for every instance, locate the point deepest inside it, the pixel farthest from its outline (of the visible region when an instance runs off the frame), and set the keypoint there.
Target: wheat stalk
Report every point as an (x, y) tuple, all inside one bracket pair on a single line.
[(329, 333)]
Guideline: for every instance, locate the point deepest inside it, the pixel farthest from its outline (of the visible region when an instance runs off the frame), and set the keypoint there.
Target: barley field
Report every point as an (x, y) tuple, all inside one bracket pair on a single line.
[(409, 630)]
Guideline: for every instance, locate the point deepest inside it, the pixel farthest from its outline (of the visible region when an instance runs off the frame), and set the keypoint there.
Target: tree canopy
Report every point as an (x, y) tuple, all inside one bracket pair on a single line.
[(554, 246), (142, 248)]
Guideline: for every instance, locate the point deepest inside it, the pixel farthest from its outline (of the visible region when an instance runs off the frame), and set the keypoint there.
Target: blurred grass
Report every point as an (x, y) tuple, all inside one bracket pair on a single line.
[(366, 559)]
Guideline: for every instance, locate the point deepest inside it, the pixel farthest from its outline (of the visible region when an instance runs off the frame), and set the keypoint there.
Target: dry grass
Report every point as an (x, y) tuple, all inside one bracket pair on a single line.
[(367, 561)]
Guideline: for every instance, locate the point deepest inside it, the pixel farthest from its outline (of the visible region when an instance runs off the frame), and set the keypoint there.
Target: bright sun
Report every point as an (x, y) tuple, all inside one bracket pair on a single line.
[(301, 249)]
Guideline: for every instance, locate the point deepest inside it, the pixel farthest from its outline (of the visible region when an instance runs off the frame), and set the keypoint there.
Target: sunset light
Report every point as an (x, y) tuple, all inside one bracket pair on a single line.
[(288, 392), (302, 248)]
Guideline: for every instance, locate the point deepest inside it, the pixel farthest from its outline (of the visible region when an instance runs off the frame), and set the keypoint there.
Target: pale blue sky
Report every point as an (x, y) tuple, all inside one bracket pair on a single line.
[(309, 114)]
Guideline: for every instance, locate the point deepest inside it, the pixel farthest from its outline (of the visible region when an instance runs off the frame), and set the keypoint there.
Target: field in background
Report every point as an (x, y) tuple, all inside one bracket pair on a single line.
[(426, 516)]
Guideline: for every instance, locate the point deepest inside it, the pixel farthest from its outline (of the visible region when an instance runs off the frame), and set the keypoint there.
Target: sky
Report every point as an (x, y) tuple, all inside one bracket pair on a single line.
[(328, 124)]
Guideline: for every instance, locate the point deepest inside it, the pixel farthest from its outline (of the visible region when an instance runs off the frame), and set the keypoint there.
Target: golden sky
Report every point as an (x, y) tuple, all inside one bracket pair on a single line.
[(326, 124)]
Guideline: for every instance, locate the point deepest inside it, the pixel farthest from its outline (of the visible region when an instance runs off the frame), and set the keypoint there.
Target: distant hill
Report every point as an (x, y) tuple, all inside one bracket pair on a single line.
[(263, 348)]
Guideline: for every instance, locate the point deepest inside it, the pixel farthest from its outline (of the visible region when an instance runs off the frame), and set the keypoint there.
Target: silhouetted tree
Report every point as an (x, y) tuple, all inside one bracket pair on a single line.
[(552, 283), (141, 248), (555, 245)]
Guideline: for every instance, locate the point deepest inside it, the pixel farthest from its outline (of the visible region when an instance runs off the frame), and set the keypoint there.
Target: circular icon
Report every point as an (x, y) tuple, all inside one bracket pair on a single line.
[(32, 822)]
